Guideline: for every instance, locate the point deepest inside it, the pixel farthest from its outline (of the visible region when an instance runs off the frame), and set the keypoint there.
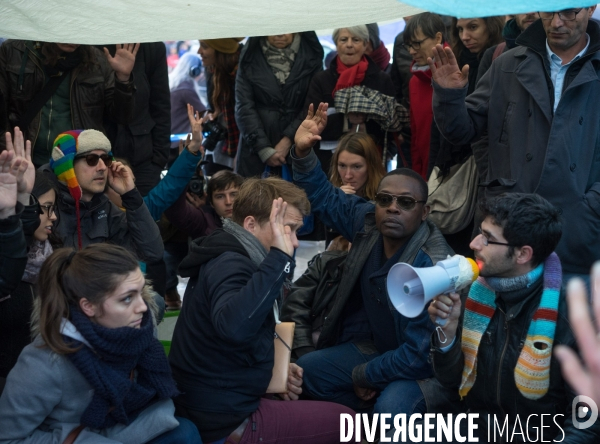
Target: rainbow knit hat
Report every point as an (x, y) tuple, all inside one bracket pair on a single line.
[(66, 147)]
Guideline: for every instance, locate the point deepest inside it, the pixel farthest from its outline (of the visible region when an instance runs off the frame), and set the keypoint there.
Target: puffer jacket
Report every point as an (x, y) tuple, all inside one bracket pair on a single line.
[(266, 111), (533, 149), (95, 94), (102, 221), (495, 392)]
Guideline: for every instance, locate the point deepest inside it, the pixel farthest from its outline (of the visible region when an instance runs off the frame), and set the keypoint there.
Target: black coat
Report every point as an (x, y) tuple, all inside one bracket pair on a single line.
[(321, 89), (266, 111), (146, 141)]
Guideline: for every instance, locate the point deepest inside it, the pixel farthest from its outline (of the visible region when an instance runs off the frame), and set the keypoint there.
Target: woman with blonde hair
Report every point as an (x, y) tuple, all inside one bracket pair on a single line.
[(356, 165), (95, 372)]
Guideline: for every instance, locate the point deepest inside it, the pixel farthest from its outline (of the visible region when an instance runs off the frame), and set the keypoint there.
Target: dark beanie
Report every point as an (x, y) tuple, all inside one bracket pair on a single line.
[(374, 35)]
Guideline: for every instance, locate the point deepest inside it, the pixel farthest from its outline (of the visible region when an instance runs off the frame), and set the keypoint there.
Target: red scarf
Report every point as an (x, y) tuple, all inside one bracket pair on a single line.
[(350, 75)]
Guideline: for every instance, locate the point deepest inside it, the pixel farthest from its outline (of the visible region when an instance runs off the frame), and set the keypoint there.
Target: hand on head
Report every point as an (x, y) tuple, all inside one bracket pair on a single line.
[(282, 234), (120, 178)]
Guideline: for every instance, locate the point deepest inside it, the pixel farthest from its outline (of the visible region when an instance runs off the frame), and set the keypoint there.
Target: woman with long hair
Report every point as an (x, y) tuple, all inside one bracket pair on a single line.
[(356, 165), (220, 59), (95, 371)]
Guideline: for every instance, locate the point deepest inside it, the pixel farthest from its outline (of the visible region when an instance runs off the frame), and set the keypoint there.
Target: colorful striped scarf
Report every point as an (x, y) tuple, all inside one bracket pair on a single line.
[(532, 373)]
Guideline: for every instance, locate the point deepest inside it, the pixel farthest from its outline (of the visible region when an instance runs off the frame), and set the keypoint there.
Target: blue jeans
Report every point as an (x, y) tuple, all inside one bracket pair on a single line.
[(328, 377), (186, 432)]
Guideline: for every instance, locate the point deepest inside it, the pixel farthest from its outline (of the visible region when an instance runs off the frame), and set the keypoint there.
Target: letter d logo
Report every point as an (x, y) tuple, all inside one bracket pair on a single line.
[(580, 412)]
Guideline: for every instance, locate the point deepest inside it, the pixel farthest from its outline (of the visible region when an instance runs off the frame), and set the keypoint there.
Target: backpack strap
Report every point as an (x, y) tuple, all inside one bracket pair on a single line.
[(499, 50)]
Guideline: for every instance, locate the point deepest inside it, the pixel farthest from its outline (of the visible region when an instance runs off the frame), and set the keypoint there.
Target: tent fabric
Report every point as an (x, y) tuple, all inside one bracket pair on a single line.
[(121, 21), (125, 21)]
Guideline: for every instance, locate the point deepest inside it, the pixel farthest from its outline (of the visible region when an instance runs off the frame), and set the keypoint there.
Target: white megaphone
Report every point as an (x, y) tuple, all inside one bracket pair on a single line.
[(410, 289)]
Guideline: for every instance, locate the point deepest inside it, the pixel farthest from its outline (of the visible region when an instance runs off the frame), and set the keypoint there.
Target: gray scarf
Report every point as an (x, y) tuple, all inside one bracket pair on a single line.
[(251, 244), (281, 60)]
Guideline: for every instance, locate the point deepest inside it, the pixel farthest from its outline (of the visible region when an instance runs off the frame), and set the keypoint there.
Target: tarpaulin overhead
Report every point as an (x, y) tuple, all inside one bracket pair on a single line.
[(119, 21)]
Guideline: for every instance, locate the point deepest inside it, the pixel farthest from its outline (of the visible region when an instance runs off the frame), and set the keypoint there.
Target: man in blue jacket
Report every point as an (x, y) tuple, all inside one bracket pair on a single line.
[(366, 348)]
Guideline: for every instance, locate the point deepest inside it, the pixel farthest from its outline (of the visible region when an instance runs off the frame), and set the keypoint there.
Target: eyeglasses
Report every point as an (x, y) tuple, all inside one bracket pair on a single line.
[(566, 16), (416, 45), (49, 209), (92, 159), (405, 203), (487, 242)]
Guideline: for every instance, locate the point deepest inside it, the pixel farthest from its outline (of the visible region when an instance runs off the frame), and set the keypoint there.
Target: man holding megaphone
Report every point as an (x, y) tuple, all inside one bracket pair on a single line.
[(499, 355), (368, 355)]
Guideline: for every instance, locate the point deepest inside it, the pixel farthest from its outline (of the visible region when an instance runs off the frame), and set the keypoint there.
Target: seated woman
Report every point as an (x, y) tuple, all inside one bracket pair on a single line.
[(356, 168), (349, 69), (271, 85), (95, 371)]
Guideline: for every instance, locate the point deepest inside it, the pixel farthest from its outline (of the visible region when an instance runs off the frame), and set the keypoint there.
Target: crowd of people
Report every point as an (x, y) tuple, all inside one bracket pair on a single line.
[(491, 124)]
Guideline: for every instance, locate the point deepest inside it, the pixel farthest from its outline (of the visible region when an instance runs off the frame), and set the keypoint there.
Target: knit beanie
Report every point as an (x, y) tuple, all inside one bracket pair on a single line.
[(66, 147), (227, 46), (374, 35)]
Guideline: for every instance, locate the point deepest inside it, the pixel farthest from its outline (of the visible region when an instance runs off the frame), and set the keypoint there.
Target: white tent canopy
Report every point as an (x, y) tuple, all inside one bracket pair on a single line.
[(120, 21)]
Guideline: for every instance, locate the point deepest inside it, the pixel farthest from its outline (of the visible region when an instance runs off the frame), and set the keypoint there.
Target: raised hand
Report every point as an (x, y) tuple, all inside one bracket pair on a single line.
[(8, 183), (446, 306), (120, 178), (195, 144), (282, 234), (445, 70), (309, 131), (123, 61), (26, 170), (583, 377)]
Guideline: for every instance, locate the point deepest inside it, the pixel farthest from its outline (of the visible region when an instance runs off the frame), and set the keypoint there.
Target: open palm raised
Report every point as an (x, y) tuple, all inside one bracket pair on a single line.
[(309, 131), (445, 70)]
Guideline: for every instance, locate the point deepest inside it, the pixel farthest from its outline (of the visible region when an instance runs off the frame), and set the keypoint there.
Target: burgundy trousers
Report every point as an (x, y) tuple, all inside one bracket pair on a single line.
[(315, 422)]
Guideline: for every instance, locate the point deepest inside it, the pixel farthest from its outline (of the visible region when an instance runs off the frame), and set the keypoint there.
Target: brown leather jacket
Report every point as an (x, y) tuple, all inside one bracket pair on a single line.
[(95, 95)]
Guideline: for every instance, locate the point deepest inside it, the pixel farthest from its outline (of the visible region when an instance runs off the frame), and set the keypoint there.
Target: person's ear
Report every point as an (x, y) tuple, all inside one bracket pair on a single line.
[(250, 224), (438, 38), (426, 210), (524, 254), (88, 308)]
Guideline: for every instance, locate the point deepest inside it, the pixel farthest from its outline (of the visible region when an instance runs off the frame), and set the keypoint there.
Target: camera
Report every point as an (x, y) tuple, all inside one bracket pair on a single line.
[(213, 133), (196, 185)]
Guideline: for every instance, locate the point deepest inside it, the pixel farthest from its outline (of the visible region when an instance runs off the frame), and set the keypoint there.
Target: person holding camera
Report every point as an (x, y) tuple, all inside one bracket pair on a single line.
[(221, 134)]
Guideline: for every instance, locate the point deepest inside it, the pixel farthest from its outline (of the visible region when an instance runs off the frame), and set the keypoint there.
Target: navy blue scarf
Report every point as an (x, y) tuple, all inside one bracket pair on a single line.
[(108, 364)]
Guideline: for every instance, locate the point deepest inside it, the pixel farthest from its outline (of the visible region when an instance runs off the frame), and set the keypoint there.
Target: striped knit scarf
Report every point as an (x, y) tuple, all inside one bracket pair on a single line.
[(532, 373)]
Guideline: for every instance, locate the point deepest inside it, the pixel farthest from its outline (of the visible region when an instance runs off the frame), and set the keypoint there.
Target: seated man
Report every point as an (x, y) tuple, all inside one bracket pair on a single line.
[(82, 161), (500, 357), (222, 354), (366, 347)]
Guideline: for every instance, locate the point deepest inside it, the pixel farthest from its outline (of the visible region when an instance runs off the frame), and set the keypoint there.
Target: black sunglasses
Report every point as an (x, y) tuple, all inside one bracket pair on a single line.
[(405, 203), (92, 159)]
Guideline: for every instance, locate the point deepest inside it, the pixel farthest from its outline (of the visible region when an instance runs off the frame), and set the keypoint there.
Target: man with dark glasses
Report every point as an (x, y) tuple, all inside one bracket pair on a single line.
[(83, 163), (538, 105), (368, 356)]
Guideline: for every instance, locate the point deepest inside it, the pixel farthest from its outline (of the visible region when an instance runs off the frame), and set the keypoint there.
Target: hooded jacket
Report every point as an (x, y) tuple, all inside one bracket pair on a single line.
[(533, 149), (222, 350), (265, 110), (102, 221)]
